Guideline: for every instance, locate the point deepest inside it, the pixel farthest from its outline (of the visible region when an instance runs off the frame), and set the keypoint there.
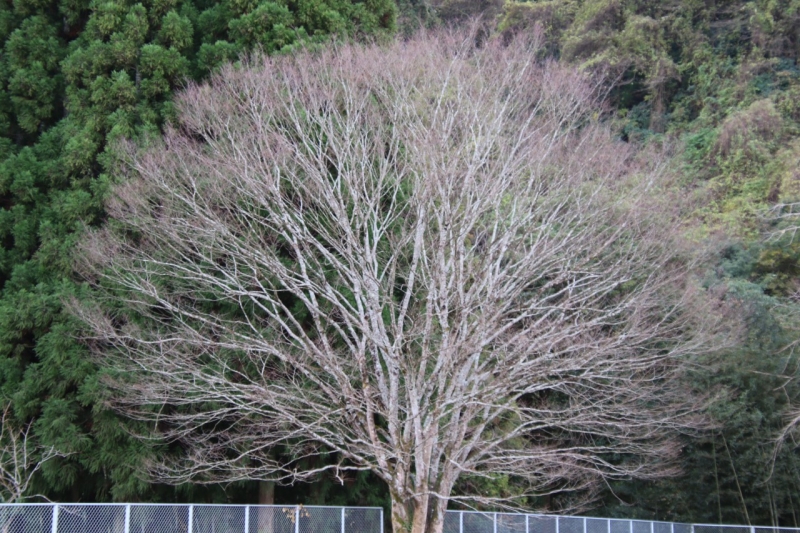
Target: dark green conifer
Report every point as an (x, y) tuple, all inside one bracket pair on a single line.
[(75, 75)]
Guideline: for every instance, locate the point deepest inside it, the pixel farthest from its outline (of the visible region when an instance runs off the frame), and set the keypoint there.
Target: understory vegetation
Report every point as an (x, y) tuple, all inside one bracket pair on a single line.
[(713, 83), (720, 80)]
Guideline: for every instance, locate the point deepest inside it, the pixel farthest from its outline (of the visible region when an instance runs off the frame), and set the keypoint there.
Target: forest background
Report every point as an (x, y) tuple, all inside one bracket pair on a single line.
[(717, 80)]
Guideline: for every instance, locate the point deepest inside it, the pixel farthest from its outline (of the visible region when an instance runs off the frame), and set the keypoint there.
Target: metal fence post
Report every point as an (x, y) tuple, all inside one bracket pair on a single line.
[(54, 524), (652, 527), (381, 519), (343, 519), (527, 523), (461, 522), (190, 526), (584, 525), (495, 523), (246, 519), (128, 518), (297, 519), (557, 526)]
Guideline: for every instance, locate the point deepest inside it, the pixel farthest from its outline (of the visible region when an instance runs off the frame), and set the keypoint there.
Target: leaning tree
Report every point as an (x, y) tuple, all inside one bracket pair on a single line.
[(425, 260)]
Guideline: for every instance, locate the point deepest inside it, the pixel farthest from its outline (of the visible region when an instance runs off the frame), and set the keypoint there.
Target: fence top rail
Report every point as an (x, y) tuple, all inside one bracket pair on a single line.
[(241, 505), (579, 517), (781, 528)]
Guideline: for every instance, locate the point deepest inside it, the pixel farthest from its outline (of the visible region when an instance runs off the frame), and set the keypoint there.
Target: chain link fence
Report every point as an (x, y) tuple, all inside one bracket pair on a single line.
[(151, 518), (166, 518), (478, 522)]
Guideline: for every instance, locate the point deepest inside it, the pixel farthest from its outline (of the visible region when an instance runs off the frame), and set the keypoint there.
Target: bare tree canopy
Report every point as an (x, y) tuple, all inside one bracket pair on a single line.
[(425, 260)]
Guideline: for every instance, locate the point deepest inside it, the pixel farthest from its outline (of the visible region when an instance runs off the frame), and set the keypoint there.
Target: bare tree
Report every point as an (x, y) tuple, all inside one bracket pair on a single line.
[(425, 260), (20, 458), (784, 216)]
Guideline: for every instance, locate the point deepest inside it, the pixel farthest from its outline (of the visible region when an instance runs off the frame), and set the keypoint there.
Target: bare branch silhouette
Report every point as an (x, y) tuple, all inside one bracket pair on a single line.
[(20, 458)]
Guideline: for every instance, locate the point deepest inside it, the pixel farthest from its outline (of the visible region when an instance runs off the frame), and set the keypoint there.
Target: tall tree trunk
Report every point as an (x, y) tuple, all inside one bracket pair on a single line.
[(417, 517), (400, 516), (266, 516), (266, 493), (437, 520), (420, 521), (657, 110)]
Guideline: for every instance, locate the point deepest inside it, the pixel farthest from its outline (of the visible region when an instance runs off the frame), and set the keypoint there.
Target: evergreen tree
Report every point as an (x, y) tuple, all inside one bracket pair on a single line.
[(75, 75)]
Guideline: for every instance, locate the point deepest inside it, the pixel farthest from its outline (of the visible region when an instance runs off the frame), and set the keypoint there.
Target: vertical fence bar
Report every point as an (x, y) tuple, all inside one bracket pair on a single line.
[(527, 523), (127, 526), (190, 526), (652, 527), (297, 519), (584, 525), (461, 522), (630, 526), (608, 528), (557, 526), (495, 522), (381, 518), (54, 524), (246, 519), (343, 519)]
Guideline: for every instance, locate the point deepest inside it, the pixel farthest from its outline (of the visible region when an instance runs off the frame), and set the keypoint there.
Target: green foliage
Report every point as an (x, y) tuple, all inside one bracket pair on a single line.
[(722, 79), (698, 71), (732, 474), (76, 75)]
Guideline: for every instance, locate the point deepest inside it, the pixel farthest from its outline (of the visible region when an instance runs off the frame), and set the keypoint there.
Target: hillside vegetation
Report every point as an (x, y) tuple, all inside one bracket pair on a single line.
[(720, 80), (716, 81)]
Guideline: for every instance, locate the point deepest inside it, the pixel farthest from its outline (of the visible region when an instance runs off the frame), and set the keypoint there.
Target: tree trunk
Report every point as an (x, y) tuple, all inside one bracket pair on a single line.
[(400, 518), (657, 109), (266, 516), (419, 516), (266, 493), (420, 521), (437, 520)]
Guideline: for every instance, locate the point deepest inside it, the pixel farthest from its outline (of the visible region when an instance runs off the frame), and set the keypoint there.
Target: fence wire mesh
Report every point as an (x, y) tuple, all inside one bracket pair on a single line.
[(480, 522), (150, 518), (144, 518)]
